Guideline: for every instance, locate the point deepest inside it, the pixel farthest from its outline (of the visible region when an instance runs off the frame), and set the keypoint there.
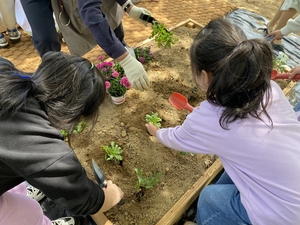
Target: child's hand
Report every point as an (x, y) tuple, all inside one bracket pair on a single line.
[(151, 129), (294, 72), (277, 35)]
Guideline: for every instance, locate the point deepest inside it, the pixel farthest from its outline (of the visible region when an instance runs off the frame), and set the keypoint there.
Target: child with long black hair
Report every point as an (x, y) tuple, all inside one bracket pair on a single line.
[(33, 108), (248, 123)]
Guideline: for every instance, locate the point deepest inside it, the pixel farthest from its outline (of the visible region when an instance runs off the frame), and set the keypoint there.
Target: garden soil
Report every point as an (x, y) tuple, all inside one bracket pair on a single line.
[(125, 124)]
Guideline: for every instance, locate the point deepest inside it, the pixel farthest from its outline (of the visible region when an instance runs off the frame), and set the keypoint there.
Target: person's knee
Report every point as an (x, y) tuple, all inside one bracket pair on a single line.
[(206, 196)]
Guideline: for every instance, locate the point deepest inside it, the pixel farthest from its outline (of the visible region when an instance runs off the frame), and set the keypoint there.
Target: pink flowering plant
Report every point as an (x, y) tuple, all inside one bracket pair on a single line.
[(144, 54), (116, 82)]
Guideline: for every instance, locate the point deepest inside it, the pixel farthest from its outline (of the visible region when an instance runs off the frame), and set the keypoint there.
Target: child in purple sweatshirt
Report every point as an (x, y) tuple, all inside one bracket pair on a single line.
[(248, 123)]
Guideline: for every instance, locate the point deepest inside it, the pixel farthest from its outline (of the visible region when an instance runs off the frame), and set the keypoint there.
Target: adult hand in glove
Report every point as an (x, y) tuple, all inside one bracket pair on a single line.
[(135, 73), (135, 12)]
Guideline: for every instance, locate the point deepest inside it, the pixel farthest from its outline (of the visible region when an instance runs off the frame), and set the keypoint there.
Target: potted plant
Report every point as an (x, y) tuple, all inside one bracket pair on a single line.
[(116, 82), (143, 54)]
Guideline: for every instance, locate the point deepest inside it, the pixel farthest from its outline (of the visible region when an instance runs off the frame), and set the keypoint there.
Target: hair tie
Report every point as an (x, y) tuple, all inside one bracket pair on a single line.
[(32, 84), (22, 76)]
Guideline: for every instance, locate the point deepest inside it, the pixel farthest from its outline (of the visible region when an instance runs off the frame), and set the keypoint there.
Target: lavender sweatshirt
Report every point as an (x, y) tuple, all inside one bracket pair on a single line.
[(263, 163)]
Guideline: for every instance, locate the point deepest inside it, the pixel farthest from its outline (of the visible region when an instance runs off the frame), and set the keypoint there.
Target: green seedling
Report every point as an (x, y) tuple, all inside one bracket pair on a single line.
[(185, 153), (148, 181), (78, 129), (162, 36), (113, 152), (154, 119), (279, 62)]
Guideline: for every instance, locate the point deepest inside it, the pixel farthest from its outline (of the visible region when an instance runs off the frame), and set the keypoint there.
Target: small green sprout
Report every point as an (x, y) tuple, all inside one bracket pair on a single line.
[(148, 181), (113, 152), (279, 62), (80, 126), (162, 36), (154, 119), (185, 153), (64, 133), (78, 129)]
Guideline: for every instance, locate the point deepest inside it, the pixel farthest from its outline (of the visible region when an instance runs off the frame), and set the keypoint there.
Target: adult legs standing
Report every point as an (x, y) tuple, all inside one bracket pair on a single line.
[(40, 17), (7, 9)]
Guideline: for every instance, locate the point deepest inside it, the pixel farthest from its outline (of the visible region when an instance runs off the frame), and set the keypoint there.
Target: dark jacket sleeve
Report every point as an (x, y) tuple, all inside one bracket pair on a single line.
[(32, 150), (66, 183), (92, 15)]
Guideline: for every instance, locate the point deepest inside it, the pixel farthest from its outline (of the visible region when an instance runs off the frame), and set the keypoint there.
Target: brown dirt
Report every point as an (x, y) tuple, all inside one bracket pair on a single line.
[(124, 124)]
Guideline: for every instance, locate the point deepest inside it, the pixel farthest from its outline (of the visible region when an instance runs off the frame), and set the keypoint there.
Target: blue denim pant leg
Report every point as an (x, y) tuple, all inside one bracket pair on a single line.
[(297, 107), (220, 204)]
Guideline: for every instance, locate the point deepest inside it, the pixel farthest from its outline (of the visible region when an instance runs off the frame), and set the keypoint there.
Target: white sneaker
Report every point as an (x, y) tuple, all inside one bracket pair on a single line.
[(14, 35), (3, 42), (64, 221), (34, 193)]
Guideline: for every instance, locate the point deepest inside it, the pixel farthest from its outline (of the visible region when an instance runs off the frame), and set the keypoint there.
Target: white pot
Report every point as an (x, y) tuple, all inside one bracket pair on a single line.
[(118, 100)]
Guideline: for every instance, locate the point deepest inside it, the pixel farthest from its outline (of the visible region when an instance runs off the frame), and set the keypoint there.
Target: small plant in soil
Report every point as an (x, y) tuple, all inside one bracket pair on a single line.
[(143, 54), (162, 36), (185, 153), (154, 119), (279, 62), (145, 182), (113, 152), (78, 129)]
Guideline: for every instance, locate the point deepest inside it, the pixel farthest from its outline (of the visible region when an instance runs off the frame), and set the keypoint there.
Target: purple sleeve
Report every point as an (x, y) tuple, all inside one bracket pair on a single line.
[(183, 138), (96, 21)]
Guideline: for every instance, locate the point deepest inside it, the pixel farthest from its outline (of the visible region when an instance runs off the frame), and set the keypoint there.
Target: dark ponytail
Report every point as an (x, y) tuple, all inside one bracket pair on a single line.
[(240, 70), (68, 87), (15, 87)]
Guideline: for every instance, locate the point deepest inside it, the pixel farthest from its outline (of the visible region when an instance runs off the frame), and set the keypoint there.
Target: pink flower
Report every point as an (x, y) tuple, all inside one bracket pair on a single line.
[(100, 57), (142, 59), (125, 82), (110, 63), (115, 74), (107, 84)]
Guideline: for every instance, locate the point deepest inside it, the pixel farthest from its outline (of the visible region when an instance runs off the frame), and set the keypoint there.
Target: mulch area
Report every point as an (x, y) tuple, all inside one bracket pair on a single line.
[(169, 12)]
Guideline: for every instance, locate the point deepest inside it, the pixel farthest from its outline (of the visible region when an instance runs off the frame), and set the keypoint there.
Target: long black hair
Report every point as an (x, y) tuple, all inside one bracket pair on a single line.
[(240, 70), (68, 88)]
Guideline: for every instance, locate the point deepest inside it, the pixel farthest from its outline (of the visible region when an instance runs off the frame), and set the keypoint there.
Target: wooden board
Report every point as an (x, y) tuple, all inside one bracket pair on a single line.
[(177, 211)]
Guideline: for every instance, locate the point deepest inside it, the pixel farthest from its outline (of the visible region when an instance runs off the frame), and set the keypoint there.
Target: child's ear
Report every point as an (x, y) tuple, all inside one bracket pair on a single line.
[(207, 77), (203, 80)]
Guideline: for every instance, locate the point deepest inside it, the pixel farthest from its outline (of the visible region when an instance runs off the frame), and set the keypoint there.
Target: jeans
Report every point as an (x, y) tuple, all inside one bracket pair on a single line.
[(220, 204), (297, 107)]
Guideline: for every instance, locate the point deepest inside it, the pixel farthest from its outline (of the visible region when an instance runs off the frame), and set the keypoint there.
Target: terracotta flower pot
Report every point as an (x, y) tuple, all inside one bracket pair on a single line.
[(118, 100)]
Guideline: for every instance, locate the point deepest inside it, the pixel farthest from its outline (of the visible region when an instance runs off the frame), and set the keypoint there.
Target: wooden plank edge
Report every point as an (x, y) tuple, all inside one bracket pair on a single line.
[(289, 87), (177, 211)]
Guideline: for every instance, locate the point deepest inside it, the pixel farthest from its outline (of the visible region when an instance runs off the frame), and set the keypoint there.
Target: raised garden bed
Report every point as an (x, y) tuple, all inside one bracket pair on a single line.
[(184, 175)]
